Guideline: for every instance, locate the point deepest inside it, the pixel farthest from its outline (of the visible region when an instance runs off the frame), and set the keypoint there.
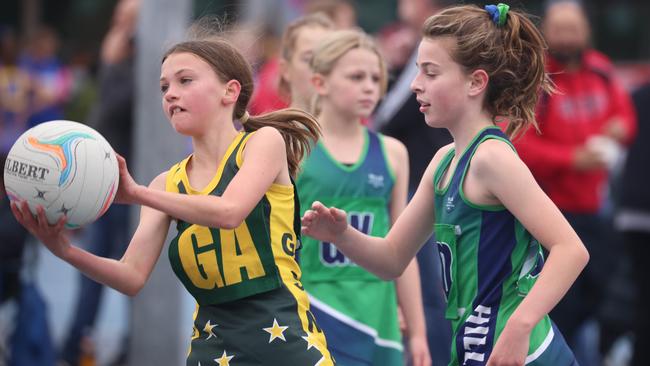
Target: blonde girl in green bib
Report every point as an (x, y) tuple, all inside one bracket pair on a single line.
[(366, 173)]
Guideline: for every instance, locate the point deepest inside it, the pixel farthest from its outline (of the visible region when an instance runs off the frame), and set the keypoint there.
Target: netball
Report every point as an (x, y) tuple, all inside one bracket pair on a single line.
[(66, 167)]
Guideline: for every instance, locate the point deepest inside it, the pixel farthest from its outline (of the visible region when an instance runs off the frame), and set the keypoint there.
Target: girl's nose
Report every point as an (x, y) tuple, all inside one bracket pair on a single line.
[(415, 84)]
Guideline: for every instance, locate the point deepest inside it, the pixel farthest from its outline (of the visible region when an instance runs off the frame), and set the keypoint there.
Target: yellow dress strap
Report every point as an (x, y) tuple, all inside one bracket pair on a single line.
[(239, 158), (174, 176)]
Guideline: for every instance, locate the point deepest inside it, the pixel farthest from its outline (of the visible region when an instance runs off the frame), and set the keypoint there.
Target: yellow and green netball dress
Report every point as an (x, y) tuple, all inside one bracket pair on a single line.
[(490, 262), (251, 307), (356, 309)]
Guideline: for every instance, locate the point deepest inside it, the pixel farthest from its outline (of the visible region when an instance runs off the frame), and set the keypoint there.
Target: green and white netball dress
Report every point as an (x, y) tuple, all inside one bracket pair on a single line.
[(251, 307), (490, 262), (356, 309)]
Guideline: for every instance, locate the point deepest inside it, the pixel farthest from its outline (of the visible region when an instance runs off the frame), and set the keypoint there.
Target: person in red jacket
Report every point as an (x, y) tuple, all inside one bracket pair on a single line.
[(581, 128)]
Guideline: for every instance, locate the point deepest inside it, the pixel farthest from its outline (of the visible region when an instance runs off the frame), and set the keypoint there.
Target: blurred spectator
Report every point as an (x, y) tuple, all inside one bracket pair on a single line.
[(24, 331), (341, 12), (12, 236), (16, 92), (112, 116), (582, 127), (52, 79), (267, 96), (298, 44), (83, 93), (633, 220), (399, 116)]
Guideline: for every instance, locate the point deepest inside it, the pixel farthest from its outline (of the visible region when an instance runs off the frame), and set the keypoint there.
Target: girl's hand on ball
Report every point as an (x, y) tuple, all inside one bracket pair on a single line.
[(128, 188), (53, 236)]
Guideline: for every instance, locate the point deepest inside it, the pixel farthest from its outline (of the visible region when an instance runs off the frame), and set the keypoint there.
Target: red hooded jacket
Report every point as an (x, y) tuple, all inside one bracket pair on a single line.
[(585, 101)]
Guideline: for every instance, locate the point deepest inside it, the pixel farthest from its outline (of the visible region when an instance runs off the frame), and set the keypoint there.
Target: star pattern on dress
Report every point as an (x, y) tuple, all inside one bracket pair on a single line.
[(224, 360), (310, 341), (208, 329), (276, 331)]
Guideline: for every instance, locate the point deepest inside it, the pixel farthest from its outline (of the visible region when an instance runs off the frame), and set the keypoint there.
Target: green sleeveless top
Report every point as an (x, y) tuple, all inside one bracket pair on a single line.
[(489, 263), (363, 190)]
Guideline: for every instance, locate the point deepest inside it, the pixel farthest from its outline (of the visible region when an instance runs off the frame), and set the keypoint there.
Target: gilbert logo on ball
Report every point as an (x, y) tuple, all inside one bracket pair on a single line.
[(66, 167)]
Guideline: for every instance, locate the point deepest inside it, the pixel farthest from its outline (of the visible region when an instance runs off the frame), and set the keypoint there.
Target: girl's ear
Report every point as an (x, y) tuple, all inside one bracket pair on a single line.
[(231, 92), (319, 83), (478, 82), (284, 69)]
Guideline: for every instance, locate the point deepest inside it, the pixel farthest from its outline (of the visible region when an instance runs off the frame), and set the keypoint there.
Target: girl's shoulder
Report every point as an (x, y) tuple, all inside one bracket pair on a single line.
[(160, 181), (266, 135), (394, 147), (427, 177), (265, 142), (441, 153), (266, 138), (493, 155)]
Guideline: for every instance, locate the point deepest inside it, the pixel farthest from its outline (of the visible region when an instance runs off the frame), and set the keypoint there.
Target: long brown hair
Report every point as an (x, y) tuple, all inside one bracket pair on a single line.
[(298, 128), (512, 55)]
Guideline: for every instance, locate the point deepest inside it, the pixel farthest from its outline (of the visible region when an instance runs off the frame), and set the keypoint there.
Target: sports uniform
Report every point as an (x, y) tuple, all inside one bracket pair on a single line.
[(357, 310), (490, 262), (251, 307)]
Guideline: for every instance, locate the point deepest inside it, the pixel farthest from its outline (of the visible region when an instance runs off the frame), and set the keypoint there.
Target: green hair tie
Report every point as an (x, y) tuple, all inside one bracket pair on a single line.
[(498, 13), (503, 13)]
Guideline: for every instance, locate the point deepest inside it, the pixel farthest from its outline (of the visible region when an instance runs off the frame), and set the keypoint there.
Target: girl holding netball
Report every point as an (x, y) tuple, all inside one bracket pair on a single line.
[(235, 209)]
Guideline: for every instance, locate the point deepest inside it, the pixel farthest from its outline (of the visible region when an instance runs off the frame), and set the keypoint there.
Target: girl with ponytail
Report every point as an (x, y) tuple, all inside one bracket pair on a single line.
[(491, 219), (236, 211)]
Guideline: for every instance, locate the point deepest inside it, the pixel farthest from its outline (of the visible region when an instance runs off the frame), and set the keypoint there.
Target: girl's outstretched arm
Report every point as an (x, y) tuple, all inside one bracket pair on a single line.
[(264, 159), (513, 185), (385, 257), (127, 275)]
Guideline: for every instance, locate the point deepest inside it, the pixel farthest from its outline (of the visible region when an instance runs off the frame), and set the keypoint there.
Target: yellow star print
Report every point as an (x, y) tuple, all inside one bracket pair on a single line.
[(224, 360), (208, 329), (276, 331), (310, 341)]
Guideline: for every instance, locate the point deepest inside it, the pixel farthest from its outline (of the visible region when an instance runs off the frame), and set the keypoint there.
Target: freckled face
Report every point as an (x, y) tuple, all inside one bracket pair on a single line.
[(191, 92)]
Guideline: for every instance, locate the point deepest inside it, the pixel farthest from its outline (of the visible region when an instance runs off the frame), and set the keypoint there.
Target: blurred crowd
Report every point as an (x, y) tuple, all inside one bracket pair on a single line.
[(590, 154)]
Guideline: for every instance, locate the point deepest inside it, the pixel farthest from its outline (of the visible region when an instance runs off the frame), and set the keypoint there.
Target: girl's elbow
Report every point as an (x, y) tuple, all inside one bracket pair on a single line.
[(387, 276), (584, 256), (229, 218), (230, 223), (131, 291), (392, 273), (133, 288)]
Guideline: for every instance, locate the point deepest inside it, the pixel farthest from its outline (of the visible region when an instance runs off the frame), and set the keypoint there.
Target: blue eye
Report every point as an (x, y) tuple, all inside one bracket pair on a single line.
[(163, 88)]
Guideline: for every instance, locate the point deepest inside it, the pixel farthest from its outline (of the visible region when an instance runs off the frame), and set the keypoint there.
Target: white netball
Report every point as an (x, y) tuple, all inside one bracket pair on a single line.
[(66, 167)]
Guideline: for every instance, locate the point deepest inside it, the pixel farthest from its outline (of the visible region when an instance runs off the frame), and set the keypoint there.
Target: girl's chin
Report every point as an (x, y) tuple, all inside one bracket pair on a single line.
[(365, 114), (182, 129), (432, 123)]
